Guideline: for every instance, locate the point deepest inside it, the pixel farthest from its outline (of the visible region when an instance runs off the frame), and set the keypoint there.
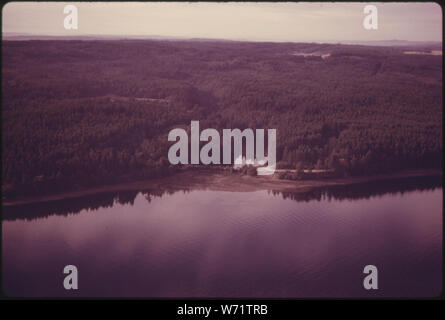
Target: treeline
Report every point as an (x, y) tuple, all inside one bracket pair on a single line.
[(94, 202), (82, 113)]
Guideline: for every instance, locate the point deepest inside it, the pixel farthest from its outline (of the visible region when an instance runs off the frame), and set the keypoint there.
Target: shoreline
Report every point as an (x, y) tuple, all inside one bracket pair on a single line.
[(222, 181)]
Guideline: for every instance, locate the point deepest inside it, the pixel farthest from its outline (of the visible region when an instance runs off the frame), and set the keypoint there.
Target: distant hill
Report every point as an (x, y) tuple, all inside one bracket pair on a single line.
[(395, 43), (26, 37), (381, 43)]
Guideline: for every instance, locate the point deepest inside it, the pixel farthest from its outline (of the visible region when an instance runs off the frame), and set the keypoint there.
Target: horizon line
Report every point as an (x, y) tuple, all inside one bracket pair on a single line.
[(166, 37)]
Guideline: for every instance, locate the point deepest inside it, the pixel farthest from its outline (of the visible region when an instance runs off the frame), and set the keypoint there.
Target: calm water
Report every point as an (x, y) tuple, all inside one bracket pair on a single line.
[(230, 244)]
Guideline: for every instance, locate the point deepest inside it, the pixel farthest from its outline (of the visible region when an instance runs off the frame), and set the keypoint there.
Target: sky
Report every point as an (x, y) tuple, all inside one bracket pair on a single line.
[(287, 21)]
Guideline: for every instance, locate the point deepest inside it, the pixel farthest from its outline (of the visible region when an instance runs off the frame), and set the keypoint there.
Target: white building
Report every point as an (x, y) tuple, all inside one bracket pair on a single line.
[(241, 162)]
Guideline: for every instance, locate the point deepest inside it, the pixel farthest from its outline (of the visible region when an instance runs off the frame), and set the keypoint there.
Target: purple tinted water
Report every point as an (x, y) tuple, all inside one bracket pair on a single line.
[(232, 244)]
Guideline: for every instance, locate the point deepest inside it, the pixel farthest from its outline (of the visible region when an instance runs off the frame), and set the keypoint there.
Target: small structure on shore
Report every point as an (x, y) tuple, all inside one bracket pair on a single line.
[(241, 162)]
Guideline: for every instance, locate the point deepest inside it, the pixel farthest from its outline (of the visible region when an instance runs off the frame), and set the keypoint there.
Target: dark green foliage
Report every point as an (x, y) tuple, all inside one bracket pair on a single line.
[(78, 113)]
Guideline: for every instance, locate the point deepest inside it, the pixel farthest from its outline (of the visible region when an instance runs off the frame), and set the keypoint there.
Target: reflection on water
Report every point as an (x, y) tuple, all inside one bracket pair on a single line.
[(202, 243), (107, 200)]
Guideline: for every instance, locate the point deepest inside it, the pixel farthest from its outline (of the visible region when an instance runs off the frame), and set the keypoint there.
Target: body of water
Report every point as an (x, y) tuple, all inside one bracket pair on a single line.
[(200, 243)]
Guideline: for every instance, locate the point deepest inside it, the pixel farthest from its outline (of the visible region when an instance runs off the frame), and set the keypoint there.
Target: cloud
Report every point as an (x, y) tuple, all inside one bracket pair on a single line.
[(247, 21)]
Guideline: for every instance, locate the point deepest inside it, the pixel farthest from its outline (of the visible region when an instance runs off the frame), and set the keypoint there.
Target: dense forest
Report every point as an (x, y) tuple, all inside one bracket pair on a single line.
[(83, 113)]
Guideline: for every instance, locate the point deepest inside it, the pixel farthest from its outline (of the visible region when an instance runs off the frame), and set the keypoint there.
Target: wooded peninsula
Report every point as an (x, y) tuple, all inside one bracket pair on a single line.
[(79, 114)]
